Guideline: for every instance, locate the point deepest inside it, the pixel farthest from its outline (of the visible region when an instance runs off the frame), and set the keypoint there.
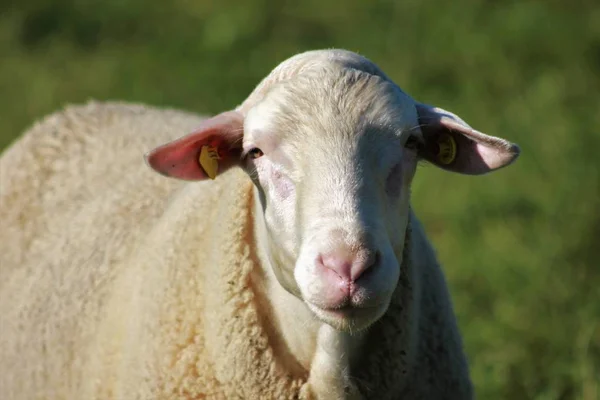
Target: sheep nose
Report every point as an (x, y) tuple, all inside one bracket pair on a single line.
[(348, 264)]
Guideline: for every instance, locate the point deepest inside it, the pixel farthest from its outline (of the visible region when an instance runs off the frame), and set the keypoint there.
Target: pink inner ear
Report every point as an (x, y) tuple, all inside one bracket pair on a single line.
[(494, 157), (477, 153), (179, 158)]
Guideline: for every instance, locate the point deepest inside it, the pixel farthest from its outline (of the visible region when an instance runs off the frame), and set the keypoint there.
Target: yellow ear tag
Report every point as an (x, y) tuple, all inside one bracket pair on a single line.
[(447, 149), (208, 160)]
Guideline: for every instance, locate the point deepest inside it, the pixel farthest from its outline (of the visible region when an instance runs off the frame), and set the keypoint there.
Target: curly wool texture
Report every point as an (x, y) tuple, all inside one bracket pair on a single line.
[(120, 284)]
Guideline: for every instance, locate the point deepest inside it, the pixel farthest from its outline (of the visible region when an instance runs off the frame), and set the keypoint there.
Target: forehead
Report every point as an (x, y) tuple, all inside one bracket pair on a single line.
[(328, 110)]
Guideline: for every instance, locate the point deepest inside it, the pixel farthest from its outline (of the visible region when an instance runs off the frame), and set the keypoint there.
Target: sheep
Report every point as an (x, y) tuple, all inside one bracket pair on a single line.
[(269, 253)]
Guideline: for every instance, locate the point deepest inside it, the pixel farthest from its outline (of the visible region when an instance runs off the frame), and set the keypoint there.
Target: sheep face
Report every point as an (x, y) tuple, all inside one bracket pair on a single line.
[(332, 155)]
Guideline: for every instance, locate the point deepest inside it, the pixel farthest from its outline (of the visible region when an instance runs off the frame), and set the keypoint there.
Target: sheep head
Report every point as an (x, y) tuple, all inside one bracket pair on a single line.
[(332, 146)]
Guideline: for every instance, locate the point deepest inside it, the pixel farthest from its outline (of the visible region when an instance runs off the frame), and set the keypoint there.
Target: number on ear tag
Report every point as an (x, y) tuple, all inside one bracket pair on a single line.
[(209, 160), (447, 149)]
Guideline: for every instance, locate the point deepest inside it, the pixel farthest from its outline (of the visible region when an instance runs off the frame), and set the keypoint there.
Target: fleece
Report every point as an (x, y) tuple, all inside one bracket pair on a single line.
[(118, 283)]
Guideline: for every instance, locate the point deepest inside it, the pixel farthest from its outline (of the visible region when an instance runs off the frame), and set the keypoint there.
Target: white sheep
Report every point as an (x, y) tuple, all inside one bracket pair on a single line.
[(302, 273)]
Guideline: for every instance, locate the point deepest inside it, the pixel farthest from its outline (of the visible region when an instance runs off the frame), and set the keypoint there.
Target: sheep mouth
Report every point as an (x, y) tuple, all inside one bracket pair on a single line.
[(349, 317)]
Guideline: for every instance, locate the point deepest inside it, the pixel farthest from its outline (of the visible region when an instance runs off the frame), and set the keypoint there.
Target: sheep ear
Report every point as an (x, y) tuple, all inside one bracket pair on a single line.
[(217, 141), (453, 145)]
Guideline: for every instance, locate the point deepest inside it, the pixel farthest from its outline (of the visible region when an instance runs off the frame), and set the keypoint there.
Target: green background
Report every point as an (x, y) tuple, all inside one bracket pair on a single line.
[(520, 246)]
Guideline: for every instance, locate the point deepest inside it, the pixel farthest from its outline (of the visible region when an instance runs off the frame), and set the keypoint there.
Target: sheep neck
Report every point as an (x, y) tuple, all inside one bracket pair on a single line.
[(303, 344)]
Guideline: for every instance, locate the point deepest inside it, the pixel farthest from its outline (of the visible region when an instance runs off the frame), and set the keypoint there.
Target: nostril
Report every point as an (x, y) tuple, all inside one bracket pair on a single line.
[(376, 259), (363, 266)]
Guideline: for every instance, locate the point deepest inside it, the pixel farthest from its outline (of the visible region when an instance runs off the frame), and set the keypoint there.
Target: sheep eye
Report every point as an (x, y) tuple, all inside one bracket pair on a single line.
[(255, 153), (412, 143)]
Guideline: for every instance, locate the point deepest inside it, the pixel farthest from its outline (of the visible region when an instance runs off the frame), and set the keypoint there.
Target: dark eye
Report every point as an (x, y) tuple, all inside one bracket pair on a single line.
[(412, 143), (255, 153)]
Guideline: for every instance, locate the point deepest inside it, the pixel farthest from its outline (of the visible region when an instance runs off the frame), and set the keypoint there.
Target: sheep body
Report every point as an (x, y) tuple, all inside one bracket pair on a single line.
[(96, 260)]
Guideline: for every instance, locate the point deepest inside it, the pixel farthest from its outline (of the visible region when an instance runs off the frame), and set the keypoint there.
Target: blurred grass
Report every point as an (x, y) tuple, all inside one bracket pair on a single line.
[(520, 246)]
